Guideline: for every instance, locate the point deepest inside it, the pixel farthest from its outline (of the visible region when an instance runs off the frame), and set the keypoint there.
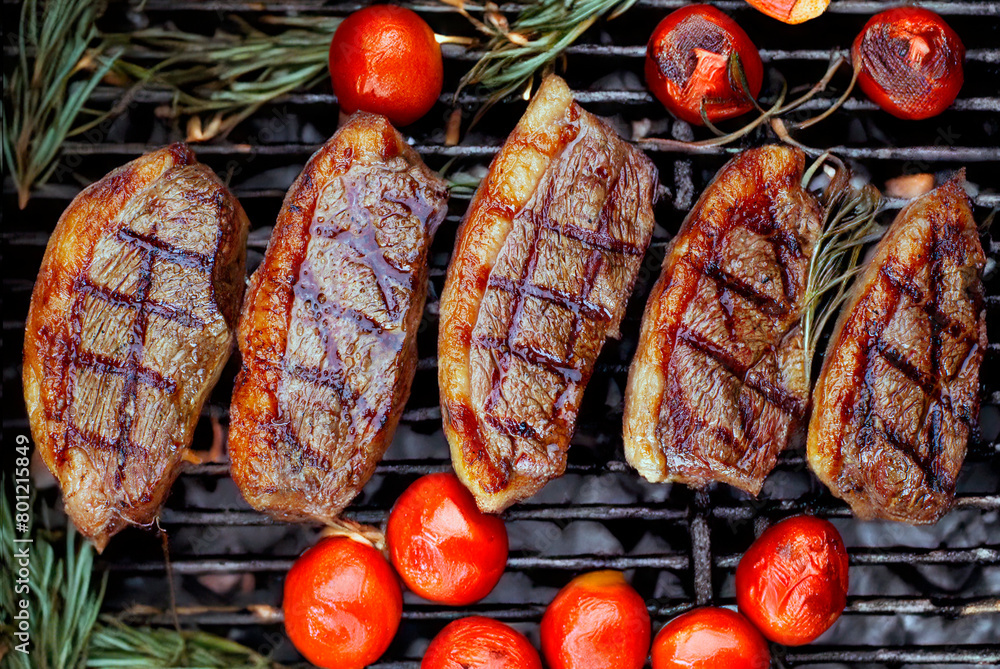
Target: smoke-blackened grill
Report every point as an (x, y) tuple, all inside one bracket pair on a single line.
[(920, 596)]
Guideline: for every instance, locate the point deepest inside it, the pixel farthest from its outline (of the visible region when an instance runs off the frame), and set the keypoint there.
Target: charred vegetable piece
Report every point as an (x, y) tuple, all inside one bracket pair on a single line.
[(718, 385), (131, 321), (695, 60), (791, 11), (542, 269), (909, 62), (898, 395), (328, 334)]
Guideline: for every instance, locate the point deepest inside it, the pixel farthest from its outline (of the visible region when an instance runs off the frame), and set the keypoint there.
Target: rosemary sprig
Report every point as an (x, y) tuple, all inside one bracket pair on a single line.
[(115, 645), (63, 597), (230, 74), (49, 86), (538, 36), (849, 225), (65, 601)]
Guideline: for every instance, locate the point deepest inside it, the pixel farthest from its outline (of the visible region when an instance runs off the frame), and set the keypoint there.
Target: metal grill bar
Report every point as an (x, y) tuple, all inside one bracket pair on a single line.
[(319, 8), (952, 154)]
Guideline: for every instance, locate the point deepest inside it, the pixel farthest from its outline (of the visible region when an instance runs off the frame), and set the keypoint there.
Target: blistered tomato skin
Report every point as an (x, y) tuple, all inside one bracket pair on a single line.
[(480, 643), (342, 604), (792, 583), (596, 622), (710, 638), (909, 62), (688, 61), (384, 59), (444, 548)]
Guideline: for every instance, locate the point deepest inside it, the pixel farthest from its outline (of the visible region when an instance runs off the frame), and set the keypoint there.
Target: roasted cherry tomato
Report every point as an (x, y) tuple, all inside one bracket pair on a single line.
[(792, 583), (342, 604), (445, 548), (480, 643), (909, 62), (791, 11), (710, 638), (596, 622), (688, 63), (384, 59)]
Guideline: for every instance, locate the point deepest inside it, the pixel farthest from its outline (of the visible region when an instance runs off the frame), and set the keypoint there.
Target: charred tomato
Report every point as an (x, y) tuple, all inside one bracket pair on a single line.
[(444, 548), (792, 583), (595, 622), (710, 638), (909, 62), (480, 643), (694, 57), (342, 604), (384, 59)]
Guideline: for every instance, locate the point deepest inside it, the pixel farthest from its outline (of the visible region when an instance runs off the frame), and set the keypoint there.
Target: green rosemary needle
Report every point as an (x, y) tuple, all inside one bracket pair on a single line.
[(49, 86)]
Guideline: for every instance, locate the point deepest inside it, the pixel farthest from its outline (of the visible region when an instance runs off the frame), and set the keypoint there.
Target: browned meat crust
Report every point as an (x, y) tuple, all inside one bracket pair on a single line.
[(899, 392), (131, 322), (717, 387), (328, 333), (544, 264)]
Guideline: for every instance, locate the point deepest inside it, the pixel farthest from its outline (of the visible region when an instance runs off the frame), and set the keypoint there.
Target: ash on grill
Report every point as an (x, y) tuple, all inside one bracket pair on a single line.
[(919, 596)]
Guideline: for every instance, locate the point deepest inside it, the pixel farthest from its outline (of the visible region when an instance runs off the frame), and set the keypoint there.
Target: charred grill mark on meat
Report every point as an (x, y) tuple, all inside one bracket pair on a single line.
[(898, 395), (545, 261), (717, 389), (131, 322), (328, 334)]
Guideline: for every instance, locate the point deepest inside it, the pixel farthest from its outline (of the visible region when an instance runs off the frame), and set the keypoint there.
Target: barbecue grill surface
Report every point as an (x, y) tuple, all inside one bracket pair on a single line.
[(920, 596)]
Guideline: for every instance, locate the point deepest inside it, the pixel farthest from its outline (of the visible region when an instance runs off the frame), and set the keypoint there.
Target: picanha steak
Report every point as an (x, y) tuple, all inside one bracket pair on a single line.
[(717, 387), (898, 395), (543, 267), (131, 321), (328, 333)]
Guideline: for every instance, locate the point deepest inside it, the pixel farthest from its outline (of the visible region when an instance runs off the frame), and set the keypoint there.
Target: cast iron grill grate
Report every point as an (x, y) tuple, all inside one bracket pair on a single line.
[(927, 596)]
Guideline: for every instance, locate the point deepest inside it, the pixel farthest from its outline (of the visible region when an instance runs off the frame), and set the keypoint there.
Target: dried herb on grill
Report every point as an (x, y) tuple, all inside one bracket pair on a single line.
[(230, 74), (517, 51)]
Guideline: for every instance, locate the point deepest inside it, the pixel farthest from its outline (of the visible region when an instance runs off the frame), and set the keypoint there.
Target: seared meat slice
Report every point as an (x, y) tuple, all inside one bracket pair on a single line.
[(717, 387), (544, 264), (131, 321), (899, 391), (328, 333)]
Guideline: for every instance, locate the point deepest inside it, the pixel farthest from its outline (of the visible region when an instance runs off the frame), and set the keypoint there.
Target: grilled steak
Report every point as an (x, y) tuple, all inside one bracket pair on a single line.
[(131, 321), (899, 391), (328, 333), (717, 387), (543, 267)]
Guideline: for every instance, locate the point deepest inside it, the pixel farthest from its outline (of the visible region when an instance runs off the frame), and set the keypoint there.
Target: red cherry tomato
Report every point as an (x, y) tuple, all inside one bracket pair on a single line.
[(480, 643), (792, 583), (384, 59), (710, 638), (909, 62), (688, 62), (444, 548), (342, 604), (596, 622)]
